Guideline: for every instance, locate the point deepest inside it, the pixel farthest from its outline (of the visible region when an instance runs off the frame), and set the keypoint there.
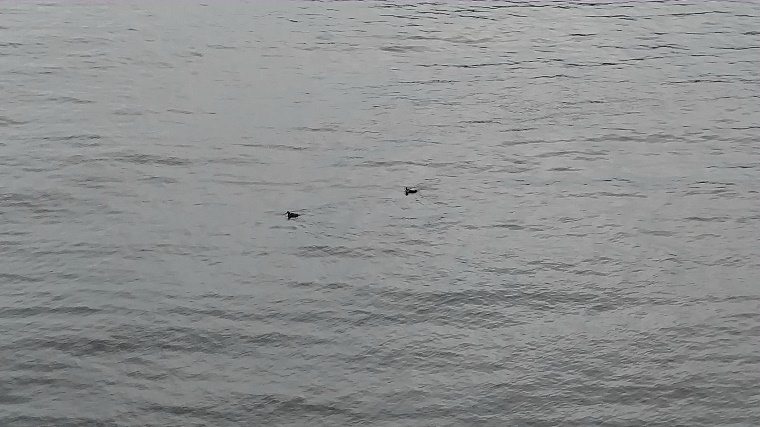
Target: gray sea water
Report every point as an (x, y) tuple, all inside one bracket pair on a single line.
[(584, 248)]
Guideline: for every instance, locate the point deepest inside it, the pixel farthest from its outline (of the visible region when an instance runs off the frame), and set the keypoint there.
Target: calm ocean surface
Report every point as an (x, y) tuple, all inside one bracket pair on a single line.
[(584, 248)]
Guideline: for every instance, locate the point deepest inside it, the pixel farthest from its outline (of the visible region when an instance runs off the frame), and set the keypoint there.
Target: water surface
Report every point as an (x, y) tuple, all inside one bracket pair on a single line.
[(583, 249)]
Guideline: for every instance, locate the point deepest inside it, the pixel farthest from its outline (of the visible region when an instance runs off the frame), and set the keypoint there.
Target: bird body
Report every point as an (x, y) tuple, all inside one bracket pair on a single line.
[(409, 190), (292, 215)]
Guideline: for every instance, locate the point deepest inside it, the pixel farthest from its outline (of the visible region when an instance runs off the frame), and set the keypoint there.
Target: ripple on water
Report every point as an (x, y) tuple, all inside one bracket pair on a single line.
[(583, 249)]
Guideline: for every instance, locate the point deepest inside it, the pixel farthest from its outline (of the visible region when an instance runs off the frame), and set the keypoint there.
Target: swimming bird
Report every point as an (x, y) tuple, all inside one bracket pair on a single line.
[(292, 215), (409, 190)]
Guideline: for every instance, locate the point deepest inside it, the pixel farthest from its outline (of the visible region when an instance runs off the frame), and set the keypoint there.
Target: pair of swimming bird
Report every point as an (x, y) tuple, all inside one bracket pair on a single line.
[(407, 191)]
